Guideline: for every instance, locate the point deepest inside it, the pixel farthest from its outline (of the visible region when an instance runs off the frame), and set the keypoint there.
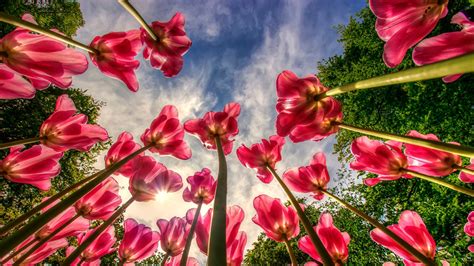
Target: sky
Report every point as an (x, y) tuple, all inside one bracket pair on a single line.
[(239, 47)]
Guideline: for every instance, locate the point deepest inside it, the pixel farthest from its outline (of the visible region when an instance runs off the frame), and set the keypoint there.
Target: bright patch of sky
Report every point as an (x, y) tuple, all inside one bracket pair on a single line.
[(239, 48)]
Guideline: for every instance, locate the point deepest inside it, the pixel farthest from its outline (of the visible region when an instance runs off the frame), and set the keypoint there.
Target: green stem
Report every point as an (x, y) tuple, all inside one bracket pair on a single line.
[(431, 144), (44, 240), (5, 260), (217, 240), (318, 244), (184, 257), (45, 203), (382, 228), (19, 142), (290, 252), (10, 242), (138, 17), (165, 258), (441, 182), (457, 65), (35, 28), (77, 252)]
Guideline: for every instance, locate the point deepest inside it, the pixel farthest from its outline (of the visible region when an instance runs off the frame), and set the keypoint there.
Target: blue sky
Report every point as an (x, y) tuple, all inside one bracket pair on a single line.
[(239, 47)]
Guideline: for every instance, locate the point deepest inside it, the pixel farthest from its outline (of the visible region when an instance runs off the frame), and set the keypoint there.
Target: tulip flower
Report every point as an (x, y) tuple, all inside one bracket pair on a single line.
[(447, 45), (173, 236), (465, 177), (303, 112), (309, 179), (469, 227), (236, 249), (35, 166), (40, 254), (279, 222), (216, 124), (13, 85), (384, 159), (139, 242), (166, 52), (335, 241), (115, 56), (100, 247), (100, 203), (176, 261), (151, 178), (403, 23), (262, 155), (202, 187), (123, 147), (410, 228), (40, 57), (64, 129), (429, 161), (166, 135)]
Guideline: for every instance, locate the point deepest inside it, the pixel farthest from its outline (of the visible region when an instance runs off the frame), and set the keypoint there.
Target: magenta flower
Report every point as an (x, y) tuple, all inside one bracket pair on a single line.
[(202, 187), (100, 247), (465, 177), (175, 261), (123, 147), (64, 129), (335, 241), (139, 242), (166, 135), (116, 56), (447, 45), (216, 124), (235, 249), (384, 159), (151, 178), (166, 54), (428, 161), (469, 227), (40, 57), (43, 252), (173, 235), (262, 155), (309, 179), (100, 203), (279, 222), (13, 85), (403, 23), (35, 166), (410, 228)]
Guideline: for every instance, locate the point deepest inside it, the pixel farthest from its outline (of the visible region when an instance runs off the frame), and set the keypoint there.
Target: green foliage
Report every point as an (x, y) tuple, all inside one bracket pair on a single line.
[(428, 107)]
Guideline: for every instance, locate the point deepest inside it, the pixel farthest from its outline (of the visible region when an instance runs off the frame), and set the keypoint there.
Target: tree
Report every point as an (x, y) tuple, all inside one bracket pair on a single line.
[(428, 107)]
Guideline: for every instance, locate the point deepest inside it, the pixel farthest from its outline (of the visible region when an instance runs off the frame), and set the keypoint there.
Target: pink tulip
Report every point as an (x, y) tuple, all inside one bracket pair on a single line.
[(447, 45), (279, 222), (235, 250), (428, 161), (471, 248), (216, 124), (100, 247), (403, 23), (40, 57), (202, 187), (309, 179), (173, 235), (166, 135), (13, 85), (123, 147), (100, 203), (410, 228), (64, 129), (39, 255), (139, 242), (175, 261), (469, 227), (335, 241), (166, 54), (116, 56), (235, 216), (151, 178), (35, 166), (384, 159), (465, 177), (301, 114), (262, 155)]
